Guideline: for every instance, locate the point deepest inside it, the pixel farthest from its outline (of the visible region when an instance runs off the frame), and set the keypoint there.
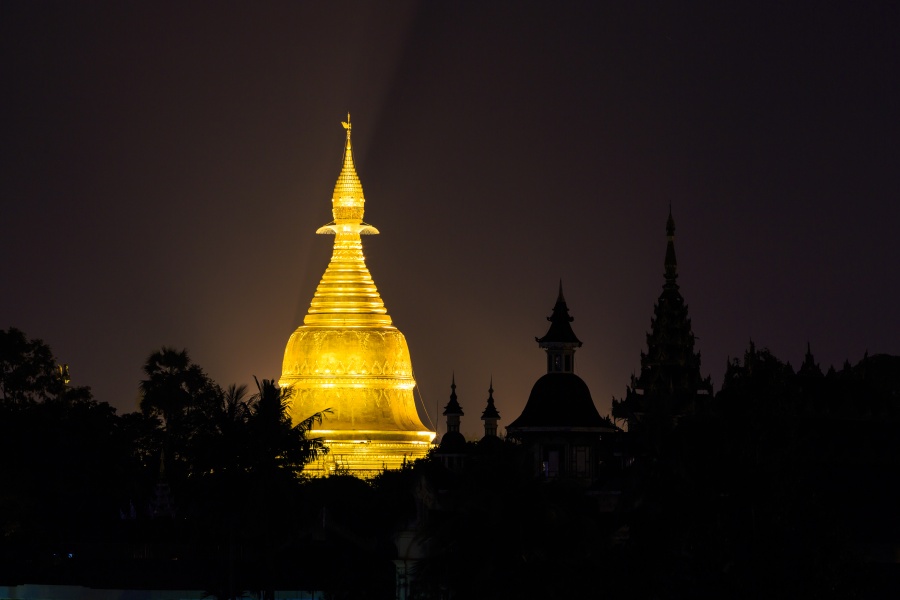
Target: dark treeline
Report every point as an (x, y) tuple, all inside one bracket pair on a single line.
[(783, 484), (200, 489)]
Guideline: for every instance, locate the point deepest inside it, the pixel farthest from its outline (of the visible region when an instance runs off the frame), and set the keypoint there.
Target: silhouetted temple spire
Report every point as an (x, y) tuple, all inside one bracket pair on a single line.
[(671, 260), (809, 366), (670, 379), (560, 331), (453, 407), (560, 341), (453, 441), (490, 416)]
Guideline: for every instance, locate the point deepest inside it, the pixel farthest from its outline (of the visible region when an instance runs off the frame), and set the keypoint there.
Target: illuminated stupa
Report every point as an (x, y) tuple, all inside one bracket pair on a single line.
[(348, 359)]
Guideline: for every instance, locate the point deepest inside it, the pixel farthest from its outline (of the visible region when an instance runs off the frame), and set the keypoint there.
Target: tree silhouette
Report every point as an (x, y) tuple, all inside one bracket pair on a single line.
[(28, 371), (277, 443), (187, 402), (176, 389), (63, 468)]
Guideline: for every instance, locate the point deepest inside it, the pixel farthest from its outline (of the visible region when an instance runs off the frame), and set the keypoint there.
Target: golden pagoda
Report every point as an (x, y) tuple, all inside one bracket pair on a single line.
[(348, 361)]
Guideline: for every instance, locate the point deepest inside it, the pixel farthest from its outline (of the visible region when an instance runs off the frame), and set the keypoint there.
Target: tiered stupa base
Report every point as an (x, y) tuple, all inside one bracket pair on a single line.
[(365, 458)]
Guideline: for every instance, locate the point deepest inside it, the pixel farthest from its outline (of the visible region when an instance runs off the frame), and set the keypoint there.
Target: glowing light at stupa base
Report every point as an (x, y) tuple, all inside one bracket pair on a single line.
[(349, 360)]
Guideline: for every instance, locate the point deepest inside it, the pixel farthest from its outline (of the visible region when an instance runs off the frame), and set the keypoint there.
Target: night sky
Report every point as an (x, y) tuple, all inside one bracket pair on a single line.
[(165, 167)]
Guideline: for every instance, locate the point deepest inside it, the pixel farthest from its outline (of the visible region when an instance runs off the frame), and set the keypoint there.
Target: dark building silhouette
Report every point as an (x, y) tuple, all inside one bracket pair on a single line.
[(670, 384), (560, 428), (452, 449)]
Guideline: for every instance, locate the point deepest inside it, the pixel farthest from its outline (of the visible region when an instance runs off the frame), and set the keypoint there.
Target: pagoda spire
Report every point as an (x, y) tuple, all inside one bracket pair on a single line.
[(490, 416), (453, 411), (346, 295), (671, 261), (560, 341), (452, 448), (348, 361), (348, 202), (809, 366), (670, 381)]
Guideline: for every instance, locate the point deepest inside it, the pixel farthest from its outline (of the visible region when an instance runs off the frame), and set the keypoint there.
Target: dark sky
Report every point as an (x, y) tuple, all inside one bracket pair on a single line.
[(165, 166)]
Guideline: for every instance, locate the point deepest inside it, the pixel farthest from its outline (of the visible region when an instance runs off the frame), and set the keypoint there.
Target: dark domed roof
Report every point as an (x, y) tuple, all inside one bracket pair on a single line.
[(453, 442), (489, 444), (559, 400)]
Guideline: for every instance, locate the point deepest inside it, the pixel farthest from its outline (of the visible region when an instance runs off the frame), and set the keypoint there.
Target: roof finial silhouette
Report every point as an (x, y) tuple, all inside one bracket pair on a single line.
[(453, 407), (671, 262), (490, 411), (560, 324)]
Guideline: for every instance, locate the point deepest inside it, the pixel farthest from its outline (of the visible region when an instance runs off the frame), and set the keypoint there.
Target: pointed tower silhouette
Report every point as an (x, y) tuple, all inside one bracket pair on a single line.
[(347, 360), (452, 450), (453, 440), (670, 383), (490, 416)]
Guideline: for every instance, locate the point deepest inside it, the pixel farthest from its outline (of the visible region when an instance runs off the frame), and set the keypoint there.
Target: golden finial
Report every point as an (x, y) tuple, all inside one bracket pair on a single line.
[(346, 123)]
